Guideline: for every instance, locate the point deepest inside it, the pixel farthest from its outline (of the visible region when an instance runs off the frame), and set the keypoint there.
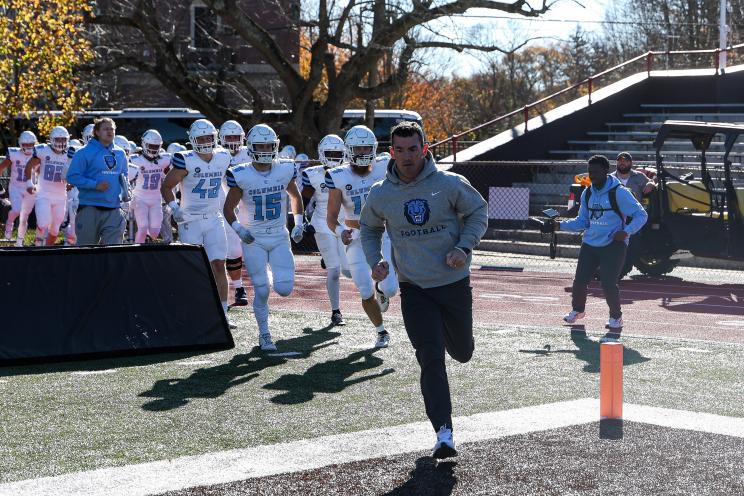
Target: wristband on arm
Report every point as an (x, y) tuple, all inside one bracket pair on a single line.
[(298, 219)]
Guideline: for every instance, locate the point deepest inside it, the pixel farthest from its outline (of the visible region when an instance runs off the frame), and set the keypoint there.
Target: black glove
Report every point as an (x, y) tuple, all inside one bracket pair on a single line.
[(308, 228), (547, 226)]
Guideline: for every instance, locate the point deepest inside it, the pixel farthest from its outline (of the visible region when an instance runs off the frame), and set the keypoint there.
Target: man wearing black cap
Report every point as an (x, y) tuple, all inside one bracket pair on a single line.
[(639, 184)]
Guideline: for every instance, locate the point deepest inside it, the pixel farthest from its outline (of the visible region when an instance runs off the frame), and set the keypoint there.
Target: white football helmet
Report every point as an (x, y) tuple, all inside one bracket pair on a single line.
[(302, 160), (76, 143), (27, 141), (231, 128), (263, 134), (175, 147), (87, 133), (361, 137), (59, 138), (199, 128), (384, 156), (122, 142), (288, 152), (334, 145), (151, 142)]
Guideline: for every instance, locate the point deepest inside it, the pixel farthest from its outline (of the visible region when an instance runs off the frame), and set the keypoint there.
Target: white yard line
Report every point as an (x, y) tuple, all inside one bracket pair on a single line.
[(261, 461)]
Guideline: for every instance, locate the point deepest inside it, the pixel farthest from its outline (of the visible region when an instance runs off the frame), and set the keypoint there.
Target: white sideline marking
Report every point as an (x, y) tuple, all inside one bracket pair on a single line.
[(694, 350), (94, 372), (261, 461)]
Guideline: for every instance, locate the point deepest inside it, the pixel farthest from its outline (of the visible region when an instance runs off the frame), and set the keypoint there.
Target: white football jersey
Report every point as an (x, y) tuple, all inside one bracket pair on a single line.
[(354, 188), (18, 161), (148, 173), (200, 189), (264, 193), (242, 156), (52, 172), (315, 178)]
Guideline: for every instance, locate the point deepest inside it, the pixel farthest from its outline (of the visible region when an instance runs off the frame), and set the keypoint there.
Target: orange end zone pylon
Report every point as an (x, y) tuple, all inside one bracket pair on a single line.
[(611, 381)]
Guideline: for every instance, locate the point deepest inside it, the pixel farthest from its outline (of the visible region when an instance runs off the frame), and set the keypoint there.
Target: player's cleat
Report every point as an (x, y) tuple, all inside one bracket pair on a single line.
[(445, 445), (265, 342), (382, 300), (614, 324), (337, 319), (383, 339), (230, 323), (241, 299), (573, 316)]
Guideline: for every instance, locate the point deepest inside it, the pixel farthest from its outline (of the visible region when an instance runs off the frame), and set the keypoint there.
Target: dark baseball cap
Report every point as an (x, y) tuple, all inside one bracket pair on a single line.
[(624, 155)]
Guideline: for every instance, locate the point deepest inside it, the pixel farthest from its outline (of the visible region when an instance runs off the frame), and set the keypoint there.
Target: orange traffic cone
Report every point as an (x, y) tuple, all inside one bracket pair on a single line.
[(611, 381)]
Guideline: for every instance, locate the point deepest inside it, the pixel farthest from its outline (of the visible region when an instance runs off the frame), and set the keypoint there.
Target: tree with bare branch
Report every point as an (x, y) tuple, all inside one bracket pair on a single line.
[(348, 44)]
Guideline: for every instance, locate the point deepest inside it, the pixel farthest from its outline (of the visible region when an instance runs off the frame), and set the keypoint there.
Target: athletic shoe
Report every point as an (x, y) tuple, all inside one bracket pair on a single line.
[(241, 299), (614, 324), (382, 300), (383, 339), (265, 342), (230, 323), (445, 446), (337, 319), (573, 316), (322, 264)]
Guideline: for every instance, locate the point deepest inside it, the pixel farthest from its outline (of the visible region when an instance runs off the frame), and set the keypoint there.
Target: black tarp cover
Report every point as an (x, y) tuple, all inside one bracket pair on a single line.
[(91, 302)]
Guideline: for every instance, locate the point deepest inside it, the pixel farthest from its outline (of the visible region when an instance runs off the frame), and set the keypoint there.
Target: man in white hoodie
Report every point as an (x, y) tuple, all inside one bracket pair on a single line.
[(434, 220)]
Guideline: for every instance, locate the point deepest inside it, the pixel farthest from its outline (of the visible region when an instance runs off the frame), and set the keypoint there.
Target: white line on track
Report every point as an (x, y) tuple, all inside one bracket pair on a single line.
[(261, 461)]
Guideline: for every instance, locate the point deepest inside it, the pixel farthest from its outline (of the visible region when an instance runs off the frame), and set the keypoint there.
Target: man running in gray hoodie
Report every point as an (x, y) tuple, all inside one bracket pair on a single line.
[(434, 220)]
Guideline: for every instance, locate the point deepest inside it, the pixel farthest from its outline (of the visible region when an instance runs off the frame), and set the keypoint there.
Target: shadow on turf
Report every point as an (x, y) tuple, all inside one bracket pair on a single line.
[(429, 477), (332, 376), (588, 351), (212, 382)]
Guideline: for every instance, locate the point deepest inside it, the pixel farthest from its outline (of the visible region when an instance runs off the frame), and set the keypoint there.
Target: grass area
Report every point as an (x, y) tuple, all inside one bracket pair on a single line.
[(80, 416)]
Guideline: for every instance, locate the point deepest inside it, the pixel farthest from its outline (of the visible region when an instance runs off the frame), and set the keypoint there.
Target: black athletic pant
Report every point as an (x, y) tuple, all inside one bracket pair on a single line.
[(437, 319), (610, 261)]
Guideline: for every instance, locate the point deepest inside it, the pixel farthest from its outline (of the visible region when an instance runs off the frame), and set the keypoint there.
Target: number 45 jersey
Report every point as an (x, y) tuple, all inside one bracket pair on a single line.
[(264, 193), (354, 188), (200, 189)]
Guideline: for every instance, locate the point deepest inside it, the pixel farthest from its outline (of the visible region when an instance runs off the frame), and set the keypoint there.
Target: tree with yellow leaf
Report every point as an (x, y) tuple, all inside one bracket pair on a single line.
[(42, 44)]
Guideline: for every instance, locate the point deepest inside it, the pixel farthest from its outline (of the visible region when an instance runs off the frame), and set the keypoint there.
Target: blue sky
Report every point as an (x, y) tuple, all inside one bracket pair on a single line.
[(506, 32)]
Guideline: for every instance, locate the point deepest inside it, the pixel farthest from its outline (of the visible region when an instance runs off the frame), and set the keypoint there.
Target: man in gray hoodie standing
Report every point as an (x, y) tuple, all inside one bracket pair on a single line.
[(434, 220)]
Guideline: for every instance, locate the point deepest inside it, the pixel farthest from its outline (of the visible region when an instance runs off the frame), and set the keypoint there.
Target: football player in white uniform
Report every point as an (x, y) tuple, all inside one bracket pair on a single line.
[(264, 185), (21, 201), (148, 170), (232, 137), (349, 186), (51, 200), (199, 173), (331, 154), (166, 229), (87, 133), (73, 199)]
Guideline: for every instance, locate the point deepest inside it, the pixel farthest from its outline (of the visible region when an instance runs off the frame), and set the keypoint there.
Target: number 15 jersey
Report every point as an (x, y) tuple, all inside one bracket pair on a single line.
[(264, 193), (200, 189)]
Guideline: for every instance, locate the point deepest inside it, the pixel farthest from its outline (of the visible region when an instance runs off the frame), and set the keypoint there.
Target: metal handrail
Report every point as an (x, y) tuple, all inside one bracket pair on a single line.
[(589, 82)]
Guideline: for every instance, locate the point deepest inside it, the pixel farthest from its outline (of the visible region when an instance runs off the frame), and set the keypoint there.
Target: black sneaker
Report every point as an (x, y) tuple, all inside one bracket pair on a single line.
[(241, 299), (322, 264), (337, 319)]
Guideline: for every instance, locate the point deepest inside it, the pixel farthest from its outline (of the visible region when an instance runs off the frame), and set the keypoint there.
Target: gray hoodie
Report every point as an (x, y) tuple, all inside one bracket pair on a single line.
[(425, 220)]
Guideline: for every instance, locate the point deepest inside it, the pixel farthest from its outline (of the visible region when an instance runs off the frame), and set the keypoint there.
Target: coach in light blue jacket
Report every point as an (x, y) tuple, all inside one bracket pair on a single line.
[(99, 170), (607, 225)]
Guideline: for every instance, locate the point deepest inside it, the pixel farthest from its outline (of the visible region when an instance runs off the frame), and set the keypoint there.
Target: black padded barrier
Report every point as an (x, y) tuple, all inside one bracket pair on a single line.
[(70, 303)]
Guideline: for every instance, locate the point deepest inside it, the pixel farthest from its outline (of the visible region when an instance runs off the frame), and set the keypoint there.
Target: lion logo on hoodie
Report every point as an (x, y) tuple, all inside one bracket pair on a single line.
[(416, 211)]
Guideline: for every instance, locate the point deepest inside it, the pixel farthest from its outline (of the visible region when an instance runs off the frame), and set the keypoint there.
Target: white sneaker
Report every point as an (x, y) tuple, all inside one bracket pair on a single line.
[(445, 445), (265, 342), (382, 300), (383, 340), (230, 323), (573, 316), (614, 324)]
